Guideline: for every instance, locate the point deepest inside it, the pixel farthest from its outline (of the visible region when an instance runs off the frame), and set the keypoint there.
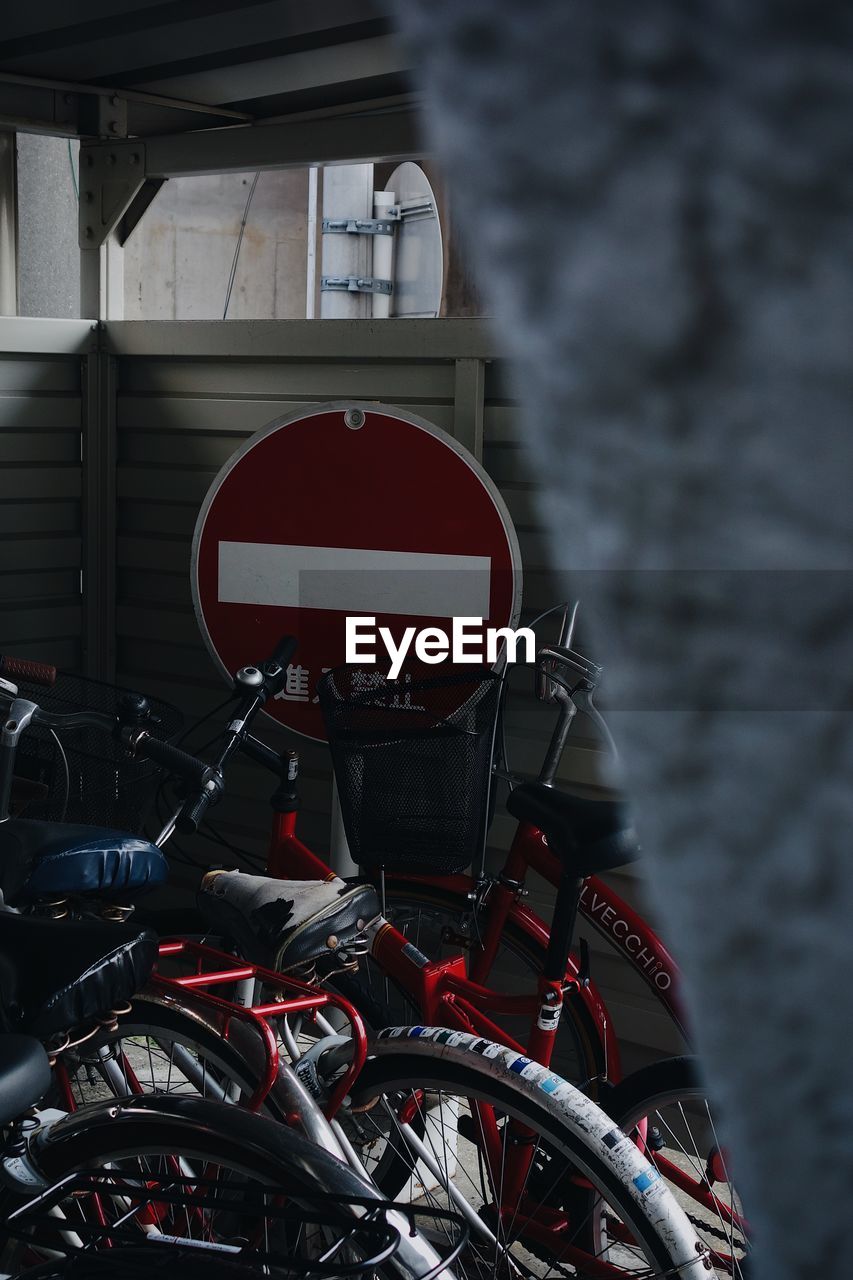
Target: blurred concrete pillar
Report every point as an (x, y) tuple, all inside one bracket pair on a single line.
[(659, 203), (48, 256)]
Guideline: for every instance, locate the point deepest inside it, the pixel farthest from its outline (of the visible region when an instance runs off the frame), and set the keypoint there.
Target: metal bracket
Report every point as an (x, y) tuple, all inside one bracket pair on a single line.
[(103, 114), (412, 209), (361, 226), (354, 284), (110, 179)]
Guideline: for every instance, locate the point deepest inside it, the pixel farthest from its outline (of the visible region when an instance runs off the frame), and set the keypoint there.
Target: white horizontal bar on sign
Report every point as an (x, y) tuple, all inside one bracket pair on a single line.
[(351, 580)]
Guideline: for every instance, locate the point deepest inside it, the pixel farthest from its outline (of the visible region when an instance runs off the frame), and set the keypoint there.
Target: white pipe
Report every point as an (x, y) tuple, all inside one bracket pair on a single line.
[(311, 262), (383, 255), (347, 193)]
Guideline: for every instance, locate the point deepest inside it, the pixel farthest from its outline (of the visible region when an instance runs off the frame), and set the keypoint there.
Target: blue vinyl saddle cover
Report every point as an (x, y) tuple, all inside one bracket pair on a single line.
[(58, 859)]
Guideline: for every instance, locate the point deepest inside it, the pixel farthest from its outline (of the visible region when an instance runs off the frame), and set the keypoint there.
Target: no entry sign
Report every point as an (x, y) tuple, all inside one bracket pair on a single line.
[(348, 510)]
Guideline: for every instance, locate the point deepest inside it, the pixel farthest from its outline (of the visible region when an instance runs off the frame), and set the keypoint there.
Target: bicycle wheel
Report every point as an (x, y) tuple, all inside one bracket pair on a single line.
[(435, 1114), (682, 1141), (246, 1165), (160, 1047), (441, 923)]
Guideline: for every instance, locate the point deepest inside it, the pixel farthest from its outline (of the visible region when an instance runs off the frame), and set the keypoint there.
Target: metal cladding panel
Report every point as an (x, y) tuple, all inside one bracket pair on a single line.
[(41, 419), (183, 408)]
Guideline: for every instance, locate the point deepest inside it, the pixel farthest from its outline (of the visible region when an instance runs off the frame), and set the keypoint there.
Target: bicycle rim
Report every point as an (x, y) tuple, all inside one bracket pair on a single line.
[(157, 1049), (146, 1145), (683, 1141), (424, 1127)]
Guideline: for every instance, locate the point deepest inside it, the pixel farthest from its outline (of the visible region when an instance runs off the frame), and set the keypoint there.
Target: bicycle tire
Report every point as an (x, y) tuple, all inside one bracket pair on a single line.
[(237, 1059), (570, 1127), (578, 1053), (672, 1096), (212, 1134)]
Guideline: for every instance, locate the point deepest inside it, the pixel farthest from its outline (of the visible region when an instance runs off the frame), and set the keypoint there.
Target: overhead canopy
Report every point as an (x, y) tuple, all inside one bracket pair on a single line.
[(194, 64)]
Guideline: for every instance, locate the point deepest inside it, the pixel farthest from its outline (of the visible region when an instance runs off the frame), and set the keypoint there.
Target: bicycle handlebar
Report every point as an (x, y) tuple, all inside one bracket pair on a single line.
[(194, 810), (284, 650), (74, 720), (27, 669), (172, 758), (255, 685), (255, 691), (557, 667)]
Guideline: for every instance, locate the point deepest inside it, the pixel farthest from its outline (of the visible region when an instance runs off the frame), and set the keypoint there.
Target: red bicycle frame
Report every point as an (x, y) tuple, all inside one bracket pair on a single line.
[(454, 992), (614, 919)]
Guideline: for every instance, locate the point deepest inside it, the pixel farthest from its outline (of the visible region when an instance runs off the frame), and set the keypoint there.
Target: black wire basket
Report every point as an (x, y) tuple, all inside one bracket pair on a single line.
[(130, 1228), (84, 775), (413, 763)]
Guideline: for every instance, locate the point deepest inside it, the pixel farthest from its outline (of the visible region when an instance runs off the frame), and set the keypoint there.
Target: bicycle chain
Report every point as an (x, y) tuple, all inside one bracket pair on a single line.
[(709, 1230)]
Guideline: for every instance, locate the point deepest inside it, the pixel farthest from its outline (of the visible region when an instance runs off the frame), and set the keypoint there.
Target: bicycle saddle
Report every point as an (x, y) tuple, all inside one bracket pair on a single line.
[(56, 859), (24, 1075), (60, 974), (588, 836), (284, 923)]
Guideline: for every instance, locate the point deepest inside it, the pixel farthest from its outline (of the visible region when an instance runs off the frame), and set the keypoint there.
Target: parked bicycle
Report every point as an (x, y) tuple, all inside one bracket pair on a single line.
[(457, 936), (543, 1173), (186, 1174)]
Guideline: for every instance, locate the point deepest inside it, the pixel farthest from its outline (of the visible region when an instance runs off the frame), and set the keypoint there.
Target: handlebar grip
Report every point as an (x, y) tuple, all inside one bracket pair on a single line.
[(26, 669), (172, 758), (285, 650), (192, 814)]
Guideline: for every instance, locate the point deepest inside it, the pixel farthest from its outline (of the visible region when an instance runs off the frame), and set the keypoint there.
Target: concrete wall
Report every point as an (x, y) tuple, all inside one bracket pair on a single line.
[(178, 261)]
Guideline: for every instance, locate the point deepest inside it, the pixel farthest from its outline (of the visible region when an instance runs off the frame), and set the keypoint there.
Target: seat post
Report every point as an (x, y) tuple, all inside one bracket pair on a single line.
[(562, 927)]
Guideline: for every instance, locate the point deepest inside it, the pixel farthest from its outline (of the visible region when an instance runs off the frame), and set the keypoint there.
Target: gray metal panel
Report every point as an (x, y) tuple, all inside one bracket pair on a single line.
[(40, 488), (333, 340), (36, 336)]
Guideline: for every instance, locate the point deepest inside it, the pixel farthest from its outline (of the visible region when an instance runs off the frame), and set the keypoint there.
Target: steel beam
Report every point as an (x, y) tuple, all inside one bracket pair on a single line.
[(137, 207), (38, 109), (113, 174), (32, 105), (336, 139)]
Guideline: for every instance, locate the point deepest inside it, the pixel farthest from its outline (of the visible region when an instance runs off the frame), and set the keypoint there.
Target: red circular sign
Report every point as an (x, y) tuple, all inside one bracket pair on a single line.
[(346, 511)]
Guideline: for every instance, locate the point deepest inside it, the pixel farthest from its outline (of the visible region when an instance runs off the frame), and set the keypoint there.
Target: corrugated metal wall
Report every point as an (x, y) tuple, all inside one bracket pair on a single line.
[(41, 483), (179, 419), (173, 400)]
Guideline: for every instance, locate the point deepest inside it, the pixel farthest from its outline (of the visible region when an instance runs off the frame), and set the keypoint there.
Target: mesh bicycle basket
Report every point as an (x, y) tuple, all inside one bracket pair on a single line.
[(412, 760), (104, 784)]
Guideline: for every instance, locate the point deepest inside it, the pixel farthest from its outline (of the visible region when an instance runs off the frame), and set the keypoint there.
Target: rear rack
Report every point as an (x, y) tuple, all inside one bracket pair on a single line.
[(210, 968)]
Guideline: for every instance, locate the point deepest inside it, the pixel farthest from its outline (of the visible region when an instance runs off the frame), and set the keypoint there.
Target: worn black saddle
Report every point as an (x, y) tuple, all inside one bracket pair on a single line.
[(57, 975), (588, 836)]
